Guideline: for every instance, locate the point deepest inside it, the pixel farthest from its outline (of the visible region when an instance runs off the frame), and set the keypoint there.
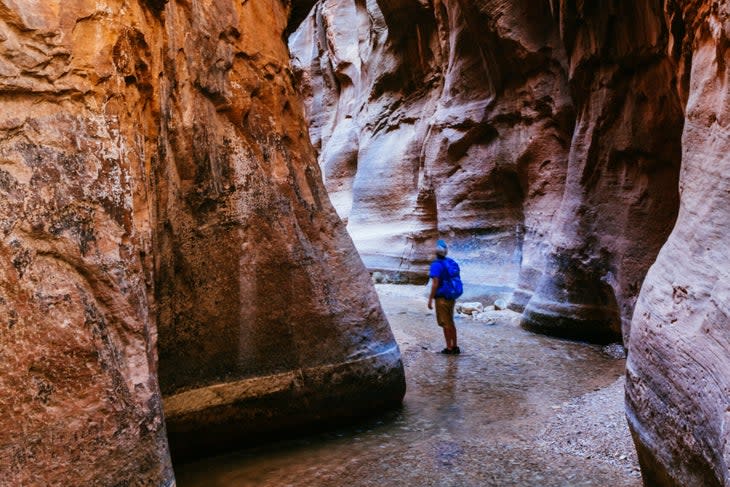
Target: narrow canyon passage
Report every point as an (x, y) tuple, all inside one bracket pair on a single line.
[(514, 409)]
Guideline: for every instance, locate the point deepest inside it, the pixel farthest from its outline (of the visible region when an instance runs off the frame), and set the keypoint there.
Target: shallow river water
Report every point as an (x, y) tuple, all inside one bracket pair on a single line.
[(515, 409)]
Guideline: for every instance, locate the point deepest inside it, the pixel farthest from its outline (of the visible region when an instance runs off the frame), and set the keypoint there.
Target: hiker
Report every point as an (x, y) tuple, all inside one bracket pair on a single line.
[(445, 288)]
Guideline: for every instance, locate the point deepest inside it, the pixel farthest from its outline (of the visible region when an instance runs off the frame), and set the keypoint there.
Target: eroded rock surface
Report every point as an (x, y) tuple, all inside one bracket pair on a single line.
[(156, 174), (79, 401), (268, 319), (448, 118), (420, 112), (678, 374), (620, 196), (540, 138)]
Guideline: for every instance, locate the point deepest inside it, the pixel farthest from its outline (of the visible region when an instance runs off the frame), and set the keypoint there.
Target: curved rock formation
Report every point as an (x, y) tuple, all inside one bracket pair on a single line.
[(678, 379), (501, 126), (448, 119), (268, 319), (620, 198), (80, 403), (156, 173), (419, 113)]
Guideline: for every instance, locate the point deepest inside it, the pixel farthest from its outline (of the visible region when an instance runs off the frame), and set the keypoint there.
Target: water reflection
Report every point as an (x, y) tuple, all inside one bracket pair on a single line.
[(471, 420)]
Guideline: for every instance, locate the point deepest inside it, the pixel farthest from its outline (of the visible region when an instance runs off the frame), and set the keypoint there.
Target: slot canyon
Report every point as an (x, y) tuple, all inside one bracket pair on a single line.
[(205, 202)]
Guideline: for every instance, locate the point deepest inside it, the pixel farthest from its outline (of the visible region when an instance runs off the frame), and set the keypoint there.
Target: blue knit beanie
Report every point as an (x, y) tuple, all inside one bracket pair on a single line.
[(441, 248)]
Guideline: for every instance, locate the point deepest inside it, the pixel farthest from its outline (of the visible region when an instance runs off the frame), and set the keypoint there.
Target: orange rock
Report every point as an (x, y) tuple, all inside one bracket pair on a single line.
[(156, 176)]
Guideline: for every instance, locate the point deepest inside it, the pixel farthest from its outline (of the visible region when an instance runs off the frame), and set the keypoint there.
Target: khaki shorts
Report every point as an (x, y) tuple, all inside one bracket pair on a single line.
[(445, 312)]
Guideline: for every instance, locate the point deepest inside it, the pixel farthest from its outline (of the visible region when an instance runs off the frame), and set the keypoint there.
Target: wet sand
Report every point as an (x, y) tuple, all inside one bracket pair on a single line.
[(515, 409)]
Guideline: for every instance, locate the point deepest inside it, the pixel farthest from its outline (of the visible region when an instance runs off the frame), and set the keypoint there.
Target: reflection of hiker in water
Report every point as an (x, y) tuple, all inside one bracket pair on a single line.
[(445, 288)]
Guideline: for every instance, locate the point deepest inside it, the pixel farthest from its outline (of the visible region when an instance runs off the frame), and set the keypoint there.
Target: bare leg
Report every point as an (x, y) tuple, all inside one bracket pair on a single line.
[(447, 336), (450, 336)]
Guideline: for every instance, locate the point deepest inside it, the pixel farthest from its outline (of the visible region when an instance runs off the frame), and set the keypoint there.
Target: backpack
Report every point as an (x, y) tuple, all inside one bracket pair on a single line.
[(451, 287)]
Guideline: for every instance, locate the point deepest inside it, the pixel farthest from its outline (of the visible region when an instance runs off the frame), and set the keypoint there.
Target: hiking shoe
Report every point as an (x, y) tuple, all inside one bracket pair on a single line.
[(447, 351), (456, 351)]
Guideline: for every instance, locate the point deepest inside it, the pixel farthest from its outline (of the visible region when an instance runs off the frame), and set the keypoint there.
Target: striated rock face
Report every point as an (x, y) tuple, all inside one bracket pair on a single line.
[(502, 125), (79, 400), (542, 139), (678, 374), (268, 318), (156, 176), (450, 119), (620, 197)]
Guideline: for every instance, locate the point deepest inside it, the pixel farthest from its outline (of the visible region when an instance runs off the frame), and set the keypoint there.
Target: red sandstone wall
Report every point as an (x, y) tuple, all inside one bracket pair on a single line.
[(621, 196), (156, 176), (79, 398), (268, 319)]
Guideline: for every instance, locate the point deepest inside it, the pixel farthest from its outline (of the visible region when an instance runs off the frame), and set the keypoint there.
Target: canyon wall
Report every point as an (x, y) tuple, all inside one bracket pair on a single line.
[(420, 113), (267, 318), (159, 192), (527, 134), (620, 197), (80, 402), (448, 119), (678, 370)]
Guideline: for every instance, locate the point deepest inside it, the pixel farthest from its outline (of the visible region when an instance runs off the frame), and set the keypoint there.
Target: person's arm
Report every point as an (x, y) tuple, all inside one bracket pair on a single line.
[(434, 287)]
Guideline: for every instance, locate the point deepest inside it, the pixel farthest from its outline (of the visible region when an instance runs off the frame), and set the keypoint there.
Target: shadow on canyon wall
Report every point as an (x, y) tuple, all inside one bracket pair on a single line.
[(168, 241), (559, 146)]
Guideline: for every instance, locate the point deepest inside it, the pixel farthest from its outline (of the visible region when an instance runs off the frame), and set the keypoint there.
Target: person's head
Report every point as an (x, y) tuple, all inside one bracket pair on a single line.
[(441, 249)]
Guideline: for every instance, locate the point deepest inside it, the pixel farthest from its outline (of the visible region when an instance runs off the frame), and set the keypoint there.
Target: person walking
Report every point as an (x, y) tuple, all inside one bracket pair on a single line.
[(445, 288)]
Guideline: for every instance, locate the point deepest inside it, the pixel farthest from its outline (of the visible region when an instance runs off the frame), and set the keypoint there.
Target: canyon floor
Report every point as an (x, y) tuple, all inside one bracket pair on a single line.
[(514, 409)]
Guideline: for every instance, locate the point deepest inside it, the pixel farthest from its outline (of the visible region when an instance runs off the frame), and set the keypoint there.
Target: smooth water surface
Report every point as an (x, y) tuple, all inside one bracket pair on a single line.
[(515, 409)]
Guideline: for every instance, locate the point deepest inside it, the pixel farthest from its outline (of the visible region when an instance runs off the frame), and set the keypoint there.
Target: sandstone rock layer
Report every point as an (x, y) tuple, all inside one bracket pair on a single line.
[(450, 119), (268, 319), (678, 378), (80, 402), (156, 176), (620, 197), (545, 140), (540, 138)]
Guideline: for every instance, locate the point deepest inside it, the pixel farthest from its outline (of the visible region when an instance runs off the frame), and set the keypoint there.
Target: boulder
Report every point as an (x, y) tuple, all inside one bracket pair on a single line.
[(469, 308)]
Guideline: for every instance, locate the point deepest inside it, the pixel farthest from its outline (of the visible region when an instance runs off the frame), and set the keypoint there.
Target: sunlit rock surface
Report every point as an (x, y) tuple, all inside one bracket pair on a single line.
[(268, 319), (156, 176), (450, 120), (79, 399), (678, 378)]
